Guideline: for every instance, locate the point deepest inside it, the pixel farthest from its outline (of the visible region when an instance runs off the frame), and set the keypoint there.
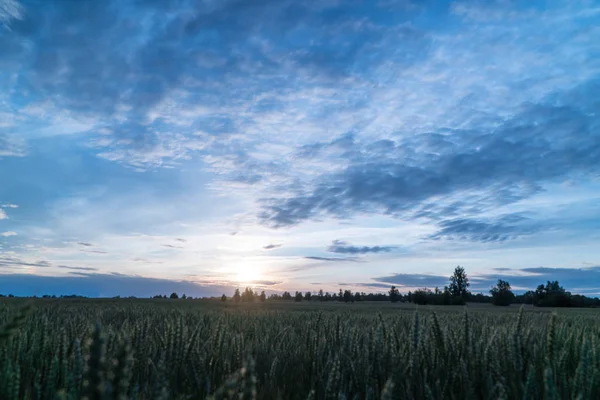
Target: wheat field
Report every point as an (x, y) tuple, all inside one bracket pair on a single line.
[(145, 349)]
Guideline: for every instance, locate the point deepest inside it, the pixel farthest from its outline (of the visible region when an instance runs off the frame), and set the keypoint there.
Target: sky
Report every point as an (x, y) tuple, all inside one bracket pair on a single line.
[(151, 146)]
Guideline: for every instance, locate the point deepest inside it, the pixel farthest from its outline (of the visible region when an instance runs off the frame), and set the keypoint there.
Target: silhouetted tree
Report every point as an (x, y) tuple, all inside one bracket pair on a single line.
[(248, 295), (223, 298), (183, 296), (551, 295), (286, 296), (298, 297), (525, 298), (174, 296), (421, 296), (340, 296), (357, 296), (236, 296), (348, 296), (263, 296), (502, 294), (307, 296), (321, 295), (459, 285), (394, 294)]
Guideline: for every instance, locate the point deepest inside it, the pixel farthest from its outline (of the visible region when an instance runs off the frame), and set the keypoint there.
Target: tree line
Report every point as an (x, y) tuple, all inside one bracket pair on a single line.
[(456, 292)]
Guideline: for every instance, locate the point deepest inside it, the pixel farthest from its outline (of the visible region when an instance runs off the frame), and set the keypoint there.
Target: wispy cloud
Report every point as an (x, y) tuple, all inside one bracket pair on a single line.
[(14, 262), (272, 246), (9, 10), (339, 246), (332, 259), (8, 234)]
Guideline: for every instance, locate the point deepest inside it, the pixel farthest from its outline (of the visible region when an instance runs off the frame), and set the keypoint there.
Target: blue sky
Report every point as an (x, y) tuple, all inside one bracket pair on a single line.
[(148, 146)]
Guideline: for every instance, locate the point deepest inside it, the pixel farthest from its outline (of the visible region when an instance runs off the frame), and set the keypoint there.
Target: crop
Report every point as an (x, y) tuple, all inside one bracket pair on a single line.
[(133, 349)]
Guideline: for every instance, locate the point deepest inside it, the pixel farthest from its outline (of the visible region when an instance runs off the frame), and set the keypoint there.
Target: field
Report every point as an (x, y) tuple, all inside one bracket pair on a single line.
[(191, 349)]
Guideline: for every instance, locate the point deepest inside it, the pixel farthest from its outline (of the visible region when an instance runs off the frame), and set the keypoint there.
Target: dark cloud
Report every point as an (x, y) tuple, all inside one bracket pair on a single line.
[(342, 247), (172, 246), (103, 285), (479, 230), (13, 262), (86, 244), (144, 260), (70, 47), (95, 251), (77, 268), (264, 283), (576, 280), (420, 176), (414, 280), (181, 240), (271, 246), (368, 285), (331, 259)]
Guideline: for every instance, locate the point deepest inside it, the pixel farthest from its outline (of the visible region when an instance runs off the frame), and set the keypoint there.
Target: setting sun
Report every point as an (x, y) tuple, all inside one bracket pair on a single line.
[(248, 273)]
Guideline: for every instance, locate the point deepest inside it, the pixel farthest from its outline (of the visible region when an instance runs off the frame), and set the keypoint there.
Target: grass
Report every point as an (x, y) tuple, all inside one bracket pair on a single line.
[(188, 349)]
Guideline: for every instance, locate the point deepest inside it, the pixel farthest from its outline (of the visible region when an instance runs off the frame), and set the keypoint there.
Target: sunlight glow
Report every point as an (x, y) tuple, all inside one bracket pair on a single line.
[(248, 273)]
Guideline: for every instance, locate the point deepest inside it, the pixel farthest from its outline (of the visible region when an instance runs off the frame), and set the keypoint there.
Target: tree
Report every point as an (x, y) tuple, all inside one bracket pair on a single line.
[(298, 297), (174, 296), (223, 298), (357, 296), (183, 296), (502, 294), (340, 296), (321, 295), (348, 296), (248, 295), (236, 296), (459, 285), (394, 294), (551, 295), (307, 296), (421, 296), (286, 296), (263, 296)]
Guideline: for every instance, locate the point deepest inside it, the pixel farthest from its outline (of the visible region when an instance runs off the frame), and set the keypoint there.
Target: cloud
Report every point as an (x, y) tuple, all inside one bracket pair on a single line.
[(8, 234), (272, 246), (331, 259), (420, 175), (9, 206), (576, 280), (95, 251), (11, 146), (172, 246), (477, 230), (342, 247), (77, 268), (13, 262), (103, 285), (414, 280), (133, 120), (9, 10), (85, 244), (3, 215), (264, 283)]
